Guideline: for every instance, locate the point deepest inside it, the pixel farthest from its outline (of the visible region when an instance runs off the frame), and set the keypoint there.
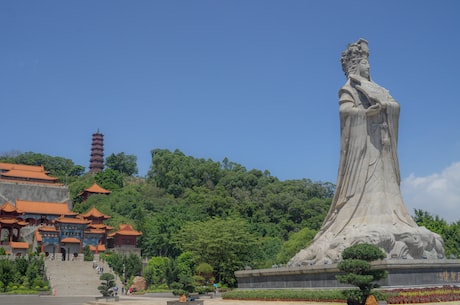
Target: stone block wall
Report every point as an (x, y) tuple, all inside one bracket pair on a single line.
[(10, 191)]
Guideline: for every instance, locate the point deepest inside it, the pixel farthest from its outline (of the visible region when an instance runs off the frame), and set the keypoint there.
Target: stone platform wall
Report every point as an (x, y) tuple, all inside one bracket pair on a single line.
[(401, 273), (10, 191)]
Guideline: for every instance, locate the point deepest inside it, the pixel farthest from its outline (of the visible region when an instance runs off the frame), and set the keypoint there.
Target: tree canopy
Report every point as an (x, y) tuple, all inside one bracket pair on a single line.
[(125, 164)]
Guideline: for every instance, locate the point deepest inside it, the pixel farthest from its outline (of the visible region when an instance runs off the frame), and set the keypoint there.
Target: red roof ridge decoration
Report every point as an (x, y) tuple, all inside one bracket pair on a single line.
[(38, 207), (93, 212)]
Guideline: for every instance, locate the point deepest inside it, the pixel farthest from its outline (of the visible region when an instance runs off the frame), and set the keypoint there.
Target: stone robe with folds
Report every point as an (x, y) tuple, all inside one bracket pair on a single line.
[(368, 206)]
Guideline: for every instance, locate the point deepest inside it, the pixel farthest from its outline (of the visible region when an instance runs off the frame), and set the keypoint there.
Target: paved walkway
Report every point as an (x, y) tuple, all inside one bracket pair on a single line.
[(127, 300)]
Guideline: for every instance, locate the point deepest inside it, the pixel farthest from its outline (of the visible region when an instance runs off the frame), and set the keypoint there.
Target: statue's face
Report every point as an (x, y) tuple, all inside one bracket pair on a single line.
[(364, 68)]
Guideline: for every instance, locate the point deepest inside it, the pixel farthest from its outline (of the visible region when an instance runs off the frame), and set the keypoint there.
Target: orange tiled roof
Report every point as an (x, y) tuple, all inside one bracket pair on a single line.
[(38, 207), (95, 188), (8, 221), (96, 231), (72, 220), (126, 229), (19, 245), (47, 229), (95, 213), (28, 174), (71, 240), (98, 226), (30, 168), (9, 208)]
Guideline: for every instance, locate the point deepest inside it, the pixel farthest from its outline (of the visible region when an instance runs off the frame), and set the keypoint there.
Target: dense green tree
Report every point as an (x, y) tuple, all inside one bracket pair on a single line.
[(449, 232), (125, 164), (296, 242), (125, 266), (28, 272), (6, 274), (110, 179), (156, 271), (176, 172), (226, 244)]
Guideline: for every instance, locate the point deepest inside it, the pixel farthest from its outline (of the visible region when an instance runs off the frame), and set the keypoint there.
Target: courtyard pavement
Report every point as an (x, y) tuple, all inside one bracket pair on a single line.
[(146, 300)]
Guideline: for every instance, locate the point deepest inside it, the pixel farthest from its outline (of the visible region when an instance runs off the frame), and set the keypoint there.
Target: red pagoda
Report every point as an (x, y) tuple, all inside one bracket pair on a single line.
[(96, 162)]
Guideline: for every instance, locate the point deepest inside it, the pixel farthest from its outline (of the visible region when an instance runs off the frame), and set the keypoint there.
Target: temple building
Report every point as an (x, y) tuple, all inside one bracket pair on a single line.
[(28, 222), (124, 240)]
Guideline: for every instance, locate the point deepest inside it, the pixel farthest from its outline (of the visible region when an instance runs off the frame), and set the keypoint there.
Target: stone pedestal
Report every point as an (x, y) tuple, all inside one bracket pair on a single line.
[(401, 273)]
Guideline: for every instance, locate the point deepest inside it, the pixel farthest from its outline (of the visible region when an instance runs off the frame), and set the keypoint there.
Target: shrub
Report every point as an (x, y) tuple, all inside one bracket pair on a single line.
[(357, 271)]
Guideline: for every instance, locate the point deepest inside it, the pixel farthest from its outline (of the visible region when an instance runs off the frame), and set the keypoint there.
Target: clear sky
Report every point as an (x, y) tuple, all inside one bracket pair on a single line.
[(255, 81)]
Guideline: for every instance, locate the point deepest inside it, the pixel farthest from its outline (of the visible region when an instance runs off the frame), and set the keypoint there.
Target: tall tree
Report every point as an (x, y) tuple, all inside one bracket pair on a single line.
[(226, 244), (125, 164)]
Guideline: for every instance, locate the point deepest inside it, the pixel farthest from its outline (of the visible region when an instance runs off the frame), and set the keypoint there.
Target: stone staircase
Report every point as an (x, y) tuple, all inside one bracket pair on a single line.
[(75, 278)]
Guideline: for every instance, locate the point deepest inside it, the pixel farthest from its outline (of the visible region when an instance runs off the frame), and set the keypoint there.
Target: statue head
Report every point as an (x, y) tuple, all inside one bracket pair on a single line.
[(355, 59)]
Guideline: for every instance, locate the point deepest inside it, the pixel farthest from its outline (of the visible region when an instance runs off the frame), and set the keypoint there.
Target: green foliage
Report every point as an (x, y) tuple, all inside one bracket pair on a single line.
[(156, 272), (449, 232), (176, 172), (296, 242), (27, 273), (357, 271), (88, 256), (125, 164), (2, 251), (106, 287), (125, 266), (6, 274), (109, 179), (204, 274), (365, 252), (226, 244)]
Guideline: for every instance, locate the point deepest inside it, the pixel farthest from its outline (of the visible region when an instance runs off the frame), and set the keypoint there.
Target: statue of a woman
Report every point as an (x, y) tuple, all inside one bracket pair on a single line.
[(368, 206)]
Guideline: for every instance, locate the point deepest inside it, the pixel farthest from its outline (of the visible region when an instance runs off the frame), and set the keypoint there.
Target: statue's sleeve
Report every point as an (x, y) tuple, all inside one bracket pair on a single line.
[(345, 97)]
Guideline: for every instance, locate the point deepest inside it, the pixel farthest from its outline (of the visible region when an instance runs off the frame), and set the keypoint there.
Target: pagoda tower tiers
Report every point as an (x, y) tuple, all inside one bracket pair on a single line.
[(96, 162)]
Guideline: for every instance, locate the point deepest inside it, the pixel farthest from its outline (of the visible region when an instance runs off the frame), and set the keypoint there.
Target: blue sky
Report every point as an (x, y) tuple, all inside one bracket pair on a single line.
[(254, 81)]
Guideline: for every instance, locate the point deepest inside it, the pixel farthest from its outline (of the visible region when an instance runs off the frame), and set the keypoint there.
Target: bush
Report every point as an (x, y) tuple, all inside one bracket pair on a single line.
[(357, 271)]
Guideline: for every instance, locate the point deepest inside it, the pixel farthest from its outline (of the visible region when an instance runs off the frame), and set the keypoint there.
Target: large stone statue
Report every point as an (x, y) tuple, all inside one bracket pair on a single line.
[(368, 206)]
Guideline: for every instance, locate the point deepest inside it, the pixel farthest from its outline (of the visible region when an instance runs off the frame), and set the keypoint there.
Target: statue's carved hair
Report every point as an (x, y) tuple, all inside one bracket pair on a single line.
[(354, 53)]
